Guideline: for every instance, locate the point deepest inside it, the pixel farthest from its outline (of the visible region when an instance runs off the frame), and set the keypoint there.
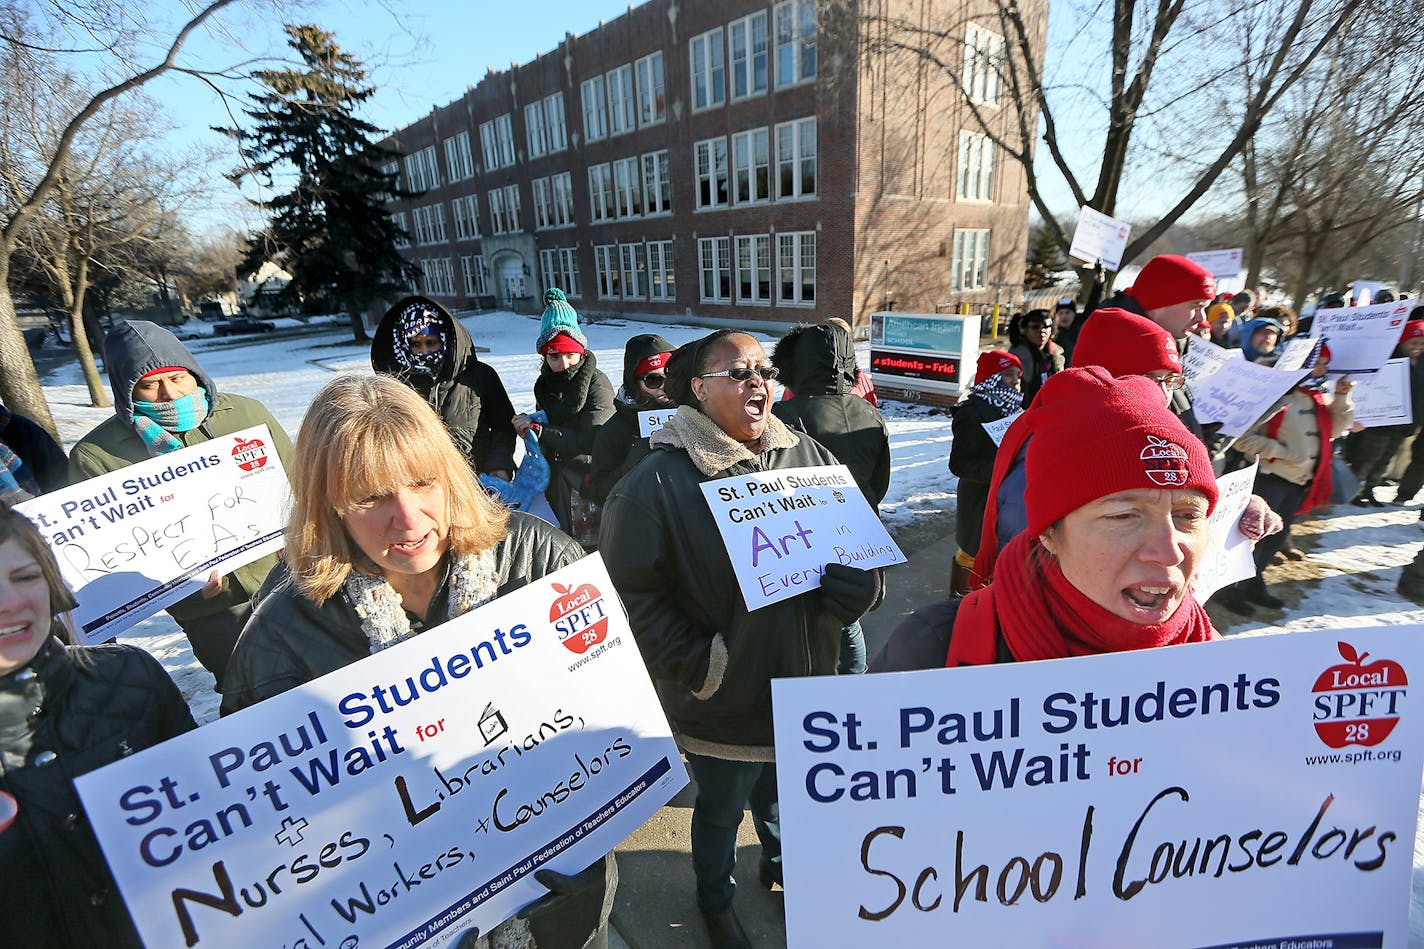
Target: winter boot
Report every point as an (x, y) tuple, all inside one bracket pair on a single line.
[(959, 573)]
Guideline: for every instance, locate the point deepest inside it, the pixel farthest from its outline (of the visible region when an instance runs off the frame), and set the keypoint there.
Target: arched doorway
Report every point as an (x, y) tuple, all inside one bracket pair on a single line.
[(509, 278)]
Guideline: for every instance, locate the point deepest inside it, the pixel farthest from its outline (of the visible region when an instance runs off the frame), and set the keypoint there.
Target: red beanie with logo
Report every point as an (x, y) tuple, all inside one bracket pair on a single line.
[(1125, 344), (1169, 279), (994, 361), (1094, 435), (1412, 329), (561, 342)]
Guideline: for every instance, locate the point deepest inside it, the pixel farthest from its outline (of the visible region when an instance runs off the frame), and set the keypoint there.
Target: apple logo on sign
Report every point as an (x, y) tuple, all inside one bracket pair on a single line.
[(250, 454), (1357, 702), (579, 617)]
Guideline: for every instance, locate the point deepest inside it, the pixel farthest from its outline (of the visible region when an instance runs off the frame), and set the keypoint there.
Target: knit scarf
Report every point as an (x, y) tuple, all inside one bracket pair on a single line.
[(1318, 494), (16, 482), (416, 320), (1042, 616), (999, 394), (474, 581), (156, 422)]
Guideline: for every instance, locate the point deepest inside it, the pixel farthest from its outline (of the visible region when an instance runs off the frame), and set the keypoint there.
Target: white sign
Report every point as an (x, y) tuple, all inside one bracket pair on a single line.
[(1099, 237), (133, 541), (1296, 353), (651, 421), (404, 798), (1251, 792), (1203, 357), (1361, 338), (996, 430), (782, 527), (1383, 398), (1228, 556), (1239, 393), (1222, 264)]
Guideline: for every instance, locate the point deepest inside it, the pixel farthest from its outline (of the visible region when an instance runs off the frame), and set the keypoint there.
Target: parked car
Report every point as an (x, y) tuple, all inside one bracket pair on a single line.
[(238, 325)]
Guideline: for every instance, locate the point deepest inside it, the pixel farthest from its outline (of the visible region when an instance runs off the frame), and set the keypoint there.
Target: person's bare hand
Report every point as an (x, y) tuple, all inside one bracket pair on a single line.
[(214, 585), (522, 423)]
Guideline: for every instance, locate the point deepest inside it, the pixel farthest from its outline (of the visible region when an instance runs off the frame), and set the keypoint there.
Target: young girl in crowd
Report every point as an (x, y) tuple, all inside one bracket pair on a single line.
[(995, 396)]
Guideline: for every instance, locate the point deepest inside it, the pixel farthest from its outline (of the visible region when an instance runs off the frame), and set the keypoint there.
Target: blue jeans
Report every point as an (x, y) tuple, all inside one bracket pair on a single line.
[(723, 791), (852, 662)]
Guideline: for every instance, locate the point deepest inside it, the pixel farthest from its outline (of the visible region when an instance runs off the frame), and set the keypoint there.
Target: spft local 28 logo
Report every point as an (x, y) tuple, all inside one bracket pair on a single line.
[(579, 617), (250, 454), (1357, 702)]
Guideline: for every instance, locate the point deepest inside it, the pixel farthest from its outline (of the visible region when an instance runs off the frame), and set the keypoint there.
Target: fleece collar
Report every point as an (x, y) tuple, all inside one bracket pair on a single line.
[(713, 450)]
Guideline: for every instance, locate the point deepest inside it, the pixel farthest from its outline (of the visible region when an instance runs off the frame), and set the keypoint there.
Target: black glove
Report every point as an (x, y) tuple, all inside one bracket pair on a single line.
[(564, 889), (849, 592)]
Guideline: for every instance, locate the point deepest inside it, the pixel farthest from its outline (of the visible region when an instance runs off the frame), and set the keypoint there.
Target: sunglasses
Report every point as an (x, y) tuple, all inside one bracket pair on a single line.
[(743, 373), (1169, 381), (653, 380)]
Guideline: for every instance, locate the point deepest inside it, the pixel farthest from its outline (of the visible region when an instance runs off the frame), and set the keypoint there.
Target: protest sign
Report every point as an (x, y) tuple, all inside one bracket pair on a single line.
[(996, 430), (1203, 357), (1257, 791), (1297, 352), (1239, 393), (1228, 553), (1222, 264), (782, 527), (1361, 338), (1383, 398), (133, 541), (654, 419), (1099, 237), (404, 798)]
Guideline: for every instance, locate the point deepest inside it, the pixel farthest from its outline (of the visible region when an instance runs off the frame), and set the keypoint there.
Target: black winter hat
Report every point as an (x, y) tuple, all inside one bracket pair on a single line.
[(637, 349)]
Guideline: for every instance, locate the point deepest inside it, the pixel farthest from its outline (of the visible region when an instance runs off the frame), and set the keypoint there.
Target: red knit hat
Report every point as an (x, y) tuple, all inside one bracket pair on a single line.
[(164, 369), (1169, 279), (1094, 435), (1125, 344), (994, 361), (561, 343), (1412, 329), (650, 363)]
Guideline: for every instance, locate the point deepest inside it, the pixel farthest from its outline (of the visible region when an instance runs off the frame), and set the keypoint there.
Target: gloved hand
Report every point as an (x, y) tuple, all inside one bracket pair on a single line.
[(1258, 520), (849, 592), (564, 889)]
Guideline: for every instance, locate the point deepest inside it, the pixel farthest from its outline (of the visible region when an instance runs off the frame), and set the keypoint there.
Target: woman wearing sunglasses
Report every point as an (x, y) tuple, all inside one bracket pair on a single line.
[(618, 447), (713, 659)]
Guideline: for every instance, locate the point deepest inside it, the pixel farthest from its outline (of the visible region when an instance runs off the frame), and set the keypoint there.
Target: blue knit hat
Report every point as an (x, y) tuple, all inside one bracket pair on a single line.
[(559, 317)]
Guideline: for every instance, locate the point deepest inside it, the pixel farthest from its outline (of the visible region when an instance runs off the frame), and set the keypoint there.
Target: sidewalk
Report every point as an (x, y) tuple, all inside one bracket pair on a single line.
[(656, 906)]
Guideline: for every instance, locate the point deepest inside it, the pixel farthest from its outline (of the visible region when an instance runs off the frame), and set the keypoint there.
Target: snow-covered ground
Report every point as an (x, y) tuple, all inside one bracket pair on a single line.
[(1348, 579)]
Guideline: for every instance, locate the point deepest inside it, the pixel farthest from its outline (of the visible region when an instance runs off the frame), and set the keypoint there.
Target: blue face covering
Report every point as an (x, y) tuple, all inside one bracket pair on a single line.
[(157, 422)]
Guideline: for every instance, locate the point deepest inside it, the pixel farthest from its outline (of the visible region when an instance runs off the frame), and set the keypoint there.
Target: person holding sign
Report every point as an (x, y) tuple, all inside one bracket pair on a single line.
[(390, 536), (994, 396), (714, 660), (1294, 448), (64, 711), (164, 401), (1370, 452), (618, 446), (1109, 555)]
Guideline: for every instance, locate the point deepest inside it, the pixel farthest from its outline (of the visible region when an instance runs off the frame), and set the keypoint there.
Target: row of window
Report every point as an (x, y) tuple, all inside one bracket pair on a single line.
[(791, 273), (745, 44), (628, 97), (639, 271), (747, 179), (630, 187)]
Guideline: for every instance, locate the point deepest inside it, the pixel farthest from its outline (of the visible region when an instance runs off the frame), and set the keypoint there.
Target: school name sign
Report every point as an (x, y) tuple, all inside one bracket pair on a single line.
[(1256, 791), (405, 798)]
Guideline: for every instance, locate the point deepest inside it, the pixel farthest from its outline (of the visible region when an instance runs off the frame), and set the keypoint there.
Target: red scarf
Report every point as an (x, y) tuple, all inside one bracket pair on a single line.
[(1042, 616), (1318, 495)]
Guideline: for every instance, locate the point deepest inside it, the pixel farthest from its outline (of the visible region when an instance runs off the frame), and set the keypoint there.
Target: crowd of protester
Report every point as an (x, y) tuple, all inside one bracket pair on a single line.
[(410, 509)]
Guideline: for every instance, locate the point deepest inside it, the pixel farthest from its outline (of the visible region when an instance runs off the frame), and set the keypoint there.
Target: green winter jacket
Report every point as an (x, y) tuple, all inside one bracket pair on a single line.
[(136, 348)]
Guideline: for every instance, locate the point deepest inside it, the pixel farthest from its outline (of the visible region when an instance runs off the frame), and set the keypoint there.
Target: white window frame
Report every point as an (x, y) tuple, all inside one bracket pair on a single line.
[(622, 100), (472, 268), (742, 70), (543, 203), (657, 183), (563, 197), (753, 262), (555, 124), (714, 256), (705, 158), (969, 265), (466, 212), (458, 161), (791, 260), (634, 264), (983, 59), (504, 210), (595, 110), (421, 170), (628, 187), (745, 162), (497, 142), (795, 39), (600, 192), (662, 280), (606, 268), (569, 258), (792, 137), (402, 222), (534, 131), (437, 278), (560, 269), (974, 180), (709, 79), (652, 90)]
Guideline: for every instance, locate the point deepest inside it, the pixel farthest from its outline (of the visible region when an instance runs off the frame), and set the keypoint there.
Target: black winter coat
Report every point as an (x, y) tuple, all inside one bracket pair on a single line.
[(922, 639), (467, 394), (667, 560), (971, 459), (617, 449), (577, 402), (818, 364), (40, 453), (66, 713)]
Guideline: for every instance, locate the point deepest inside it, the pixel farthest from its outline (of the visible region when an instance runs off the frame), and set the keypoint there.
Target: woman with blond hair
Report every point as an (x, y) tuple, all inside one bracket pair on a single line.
[(390, 535)]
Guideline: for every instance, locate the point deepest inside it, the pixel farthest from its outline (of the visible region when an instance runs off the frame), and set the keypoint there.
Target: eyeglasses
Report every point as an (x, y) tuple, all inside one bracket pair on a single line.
[(743, 373), (653, 380), (1170, 381)]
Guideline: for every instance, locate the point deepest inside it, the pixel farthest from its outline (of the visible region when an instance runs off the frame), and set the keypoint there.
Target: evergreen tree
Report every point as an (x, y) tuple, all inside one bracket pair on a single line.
[(332, 230), (1045, 257)]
